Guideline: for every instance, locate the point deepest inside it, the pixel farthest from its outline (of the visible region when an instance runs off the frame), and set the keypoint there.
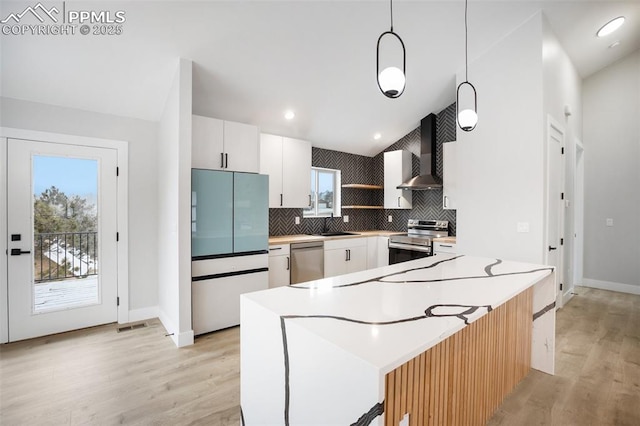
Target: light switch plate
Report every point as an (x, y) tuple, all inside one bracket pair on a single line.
[(609, 221), (345, 218), (390, 218), (297, 220), (523, 227)]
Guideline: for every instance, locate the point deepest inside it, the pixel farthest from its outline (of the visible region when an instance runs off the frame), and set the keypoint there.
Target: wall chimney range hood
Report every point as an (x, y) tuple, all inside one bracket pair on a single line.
[(427, 179)]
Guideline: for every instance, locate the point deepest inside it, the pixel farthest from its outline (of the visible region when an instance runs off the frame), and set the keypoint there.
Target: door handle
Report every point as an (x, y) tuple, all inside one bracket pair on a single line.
[(552, 248), (18, 252), (226, 161)]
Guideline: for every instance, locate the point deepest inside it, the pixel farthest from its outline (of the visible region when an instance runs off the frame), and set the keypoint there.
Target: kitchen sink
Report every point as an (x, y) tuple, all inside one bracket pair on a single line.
[(335, 234)]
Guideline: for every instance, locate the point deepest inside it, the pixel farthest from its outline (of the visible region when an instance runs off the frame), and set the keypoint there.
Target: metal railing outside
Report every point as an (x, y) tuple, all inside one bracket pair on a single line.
[(62, 255)]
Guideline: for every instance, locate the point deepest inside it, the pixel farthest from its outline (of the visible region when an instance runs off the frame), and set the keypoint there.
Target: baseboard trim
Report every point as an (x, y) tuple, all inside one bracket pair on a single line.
[(567, 296), (179, 339), (143, 313), (608, 285)]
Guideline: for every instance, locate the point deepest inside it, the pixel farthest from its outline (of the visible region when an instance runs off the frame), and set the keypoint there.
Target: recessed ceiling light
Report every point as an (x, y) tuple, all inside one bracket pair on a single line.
[(377, 136), (614, 44), (289, 115), (610, 26)]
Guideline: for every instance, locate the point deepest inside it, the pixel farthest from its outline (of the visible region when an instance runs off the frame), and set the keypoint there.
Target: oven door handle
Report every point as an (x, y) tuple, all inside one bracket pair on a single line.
[(409, 247)]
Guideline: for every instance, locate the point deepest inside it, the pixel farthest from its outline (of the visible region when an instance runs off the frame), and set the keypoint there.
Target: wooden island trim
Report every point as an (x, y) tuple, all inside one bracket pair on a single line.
[(464, 379)]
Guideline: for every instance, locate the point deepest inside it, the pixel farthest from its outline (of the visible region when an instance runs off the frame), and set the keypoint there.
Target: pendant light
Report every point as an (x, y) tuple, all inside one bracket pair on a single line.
[(391, 80), (467, 118)]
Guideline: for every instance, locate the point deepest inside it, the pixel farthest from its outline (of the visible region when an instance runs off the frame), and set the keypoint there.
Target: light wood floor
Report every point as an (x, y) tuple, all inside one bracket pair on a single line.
[(99, 376)]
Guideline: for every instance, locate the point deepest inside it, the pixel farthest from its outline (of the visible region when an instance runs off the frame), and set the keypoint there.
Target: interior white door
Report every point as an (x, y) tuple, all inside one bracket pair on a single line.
[(62, 230), (555, 203)]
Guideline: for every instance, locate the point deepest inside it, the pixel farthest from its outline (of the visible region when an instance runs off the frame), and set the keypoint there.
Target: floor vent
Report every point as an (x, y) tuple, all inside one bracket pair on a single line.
[(131, 327)]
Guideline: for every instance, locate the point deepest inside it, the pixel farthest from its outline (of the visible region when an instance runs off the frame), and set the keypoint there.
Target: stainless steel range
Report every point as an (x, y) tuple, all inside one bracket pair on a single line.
[(418, 241)]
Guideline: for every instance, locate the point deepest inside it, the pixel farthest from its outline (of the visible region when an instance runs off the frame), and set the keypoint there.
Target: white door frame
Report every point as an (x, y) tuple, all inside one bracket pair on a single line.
[(578, 215), (560, 270), (122, 148)]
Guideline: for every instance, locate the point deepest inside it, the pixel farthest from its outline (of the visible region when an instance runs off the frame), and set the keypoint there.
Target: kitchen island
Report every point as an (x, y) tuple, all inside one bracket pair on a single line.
[(439, 340)]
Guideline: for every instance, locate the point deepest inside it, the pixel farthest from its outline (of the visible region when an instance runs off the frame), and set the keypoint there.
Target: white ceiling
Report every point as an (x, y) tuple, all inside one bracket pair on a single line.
[(254, 59)]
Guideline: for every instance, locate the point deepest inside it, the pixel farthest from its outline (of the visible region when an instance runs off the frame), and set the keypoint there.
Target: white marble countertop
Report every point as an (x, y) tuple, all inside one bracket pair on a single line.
[(386, 316)]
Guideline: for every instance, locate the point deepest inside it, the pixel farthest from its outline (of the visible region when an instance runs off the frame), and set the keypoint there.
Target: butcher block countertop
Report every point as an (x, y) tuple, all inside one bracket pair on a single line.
[(446, 240), (304, 238)]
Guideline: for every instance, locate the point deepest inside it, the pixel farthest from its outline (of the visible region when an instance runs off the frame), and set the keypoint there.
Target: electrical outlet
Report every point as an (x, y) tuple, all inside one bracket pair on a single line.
[(345, 218), (390, 218), (609, 221), (297, 220)]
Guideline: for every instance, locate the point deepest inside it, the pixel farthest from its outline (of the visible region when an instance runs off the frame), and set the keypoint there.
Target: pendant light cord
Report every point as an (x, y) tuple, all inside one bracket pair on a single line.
[(391, 7), (466, 43)]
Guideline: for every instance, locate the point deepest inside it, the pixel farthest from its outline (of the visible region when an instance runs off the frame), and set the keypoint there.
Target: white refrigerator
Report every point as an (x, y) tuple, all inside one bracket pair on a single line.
[(229, 244)]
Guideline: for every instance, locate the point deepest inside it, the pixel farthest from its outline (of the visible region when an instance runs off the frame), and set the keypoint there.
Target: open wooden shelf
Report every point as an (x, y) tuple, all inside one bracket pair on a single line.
[(363, 207), (362, 186)]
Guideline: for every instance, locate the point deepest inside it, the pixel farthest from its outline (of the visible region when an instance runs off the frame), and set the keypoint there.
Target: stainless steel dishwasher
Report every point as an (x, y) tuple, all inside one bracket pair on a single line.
[(307, 261)]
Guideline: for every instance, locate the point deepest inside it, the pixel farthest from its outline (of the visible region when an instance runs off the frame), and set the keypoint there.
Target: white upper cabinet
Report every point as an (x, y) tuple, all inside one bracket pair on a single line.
[(241, 147), (397, 170), (449, 172), (224, 145), (288, 163), (296, 173)]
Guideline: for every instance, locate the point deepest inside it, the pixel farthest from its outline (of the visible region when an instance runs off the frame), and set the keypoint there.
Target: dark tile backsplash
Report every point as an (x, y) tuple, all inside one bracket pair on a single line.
[(362, 169)]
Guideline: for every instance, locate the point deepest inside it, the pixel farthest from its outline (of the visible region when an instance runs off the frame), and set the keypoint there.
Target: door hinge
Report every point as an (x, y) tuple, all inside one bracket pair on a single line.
[(117, 171), (117, 236), (562, 151), (561, 241), (560, 286), (562, 195), (118, 301)]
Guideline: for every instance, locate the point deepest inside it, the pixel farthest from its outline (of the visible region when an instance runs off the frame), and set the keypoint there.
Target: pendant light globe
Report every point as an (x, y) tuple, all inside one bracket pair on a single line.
[(467, 119), (391, 81)]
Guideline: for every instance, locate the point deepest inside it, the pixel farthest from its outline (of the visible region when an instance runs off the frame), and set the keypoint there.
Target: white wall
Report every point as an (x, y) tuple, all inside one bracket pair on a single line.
[(141, 135), (563, 87), (174, 208), (612, 176), (500, 163)]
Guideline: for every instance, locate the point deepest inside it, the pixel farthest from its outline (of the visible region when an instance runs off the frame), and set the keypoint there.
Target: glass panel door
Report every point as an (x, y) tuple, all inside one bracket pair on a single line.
[(251, 212), (65, 232), (211, 212)]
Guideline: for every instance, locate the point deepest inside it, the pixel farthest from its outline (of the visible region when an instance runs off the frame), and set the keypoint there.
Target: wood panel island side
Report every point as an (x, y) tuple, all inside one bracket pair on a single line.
[(435, 341)]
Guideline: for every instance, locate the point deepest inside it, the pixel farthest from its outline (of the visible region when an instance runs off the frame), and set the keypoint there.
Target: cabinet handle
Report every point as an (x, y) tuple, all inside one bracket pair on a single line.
[(309, 200), (275, 248), (552, 248), (446, 199), (222, 160), (398, 201), (346, 255), (349, 252), (226, 161), (280, 200), (288, 263), (445, 245)]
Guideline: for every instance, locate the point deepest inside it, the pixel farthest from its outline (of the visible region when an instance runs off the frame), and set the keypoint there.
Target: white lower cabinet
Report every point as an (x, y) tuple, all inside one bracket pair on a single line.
[(345, 256), (383, 251), (439, 247), (377, 252), (216, 288), (279, 265)]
